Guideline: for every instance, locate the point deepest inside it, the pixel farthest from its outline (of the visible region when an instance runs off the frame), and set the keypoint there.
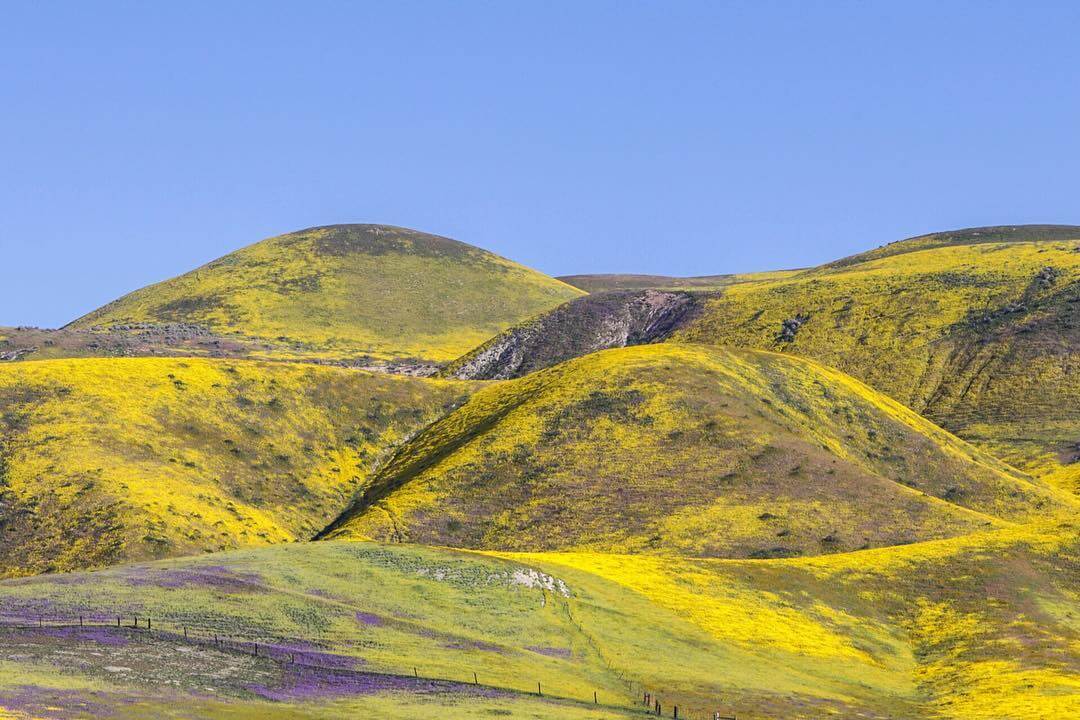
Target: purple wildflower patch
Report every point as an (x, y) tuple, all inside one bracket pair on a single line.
[(302, 653), (307, 684), (549, 651), (102, 635), (56, 703), (215, 577), (365, 618)]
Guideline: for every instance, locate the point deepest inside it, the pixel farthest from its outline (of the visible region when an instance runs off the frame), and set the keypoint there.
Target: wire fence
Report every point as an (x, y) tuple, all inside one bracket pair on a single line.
[(303, 656)]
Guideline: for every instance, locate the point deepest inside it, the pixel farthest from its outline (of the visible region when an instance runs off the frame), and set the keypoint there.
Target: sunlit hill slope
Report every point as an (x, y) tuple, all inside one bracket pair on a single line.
[(665, 448), (103, 460), (978, 330), (347, 291)]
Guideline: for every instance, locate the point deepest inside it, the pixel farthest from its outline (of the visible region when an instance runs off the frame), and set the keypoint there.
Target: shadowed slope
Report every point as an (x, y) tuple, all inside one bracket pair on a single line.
[(107, 460), (665, 448), (348, 290), (581, 326)]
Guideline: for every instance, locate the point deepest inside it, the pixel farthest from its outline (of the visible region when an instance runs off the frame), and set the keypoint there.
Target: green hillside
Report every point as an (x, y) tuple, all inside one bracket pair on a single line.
[(105, 460), (973, 628), (349, 291), (709, 452), (977, 330)]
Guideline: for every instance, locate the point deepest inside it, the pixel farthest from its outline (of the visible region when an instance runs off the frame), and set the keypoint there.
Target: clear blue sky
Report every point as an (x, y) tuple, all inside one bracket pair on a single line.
[(138, 140)]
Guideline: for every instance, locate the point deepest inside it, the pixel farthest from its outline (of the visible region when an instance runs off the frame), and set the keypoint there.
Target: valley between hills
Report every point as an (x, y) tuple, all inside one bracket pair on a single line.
[(365, 471)]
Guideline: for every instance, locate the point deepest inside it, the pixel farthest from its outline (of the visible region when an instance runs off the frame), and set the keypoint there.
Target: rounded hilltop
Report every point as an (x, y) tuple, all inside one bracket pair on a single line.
[(966, 236), (340, 291)]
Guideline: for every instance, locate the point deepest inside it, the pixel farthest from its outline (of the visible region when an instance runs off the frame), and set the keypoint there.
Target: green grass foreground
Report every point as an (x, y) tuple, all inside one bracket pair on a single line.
[(893, 633)]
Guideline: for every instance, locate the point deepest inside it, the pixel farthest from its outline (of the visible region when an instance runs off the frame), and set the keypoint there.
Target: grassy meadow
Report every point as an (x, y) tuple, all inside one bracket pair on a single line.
[(930, 629)]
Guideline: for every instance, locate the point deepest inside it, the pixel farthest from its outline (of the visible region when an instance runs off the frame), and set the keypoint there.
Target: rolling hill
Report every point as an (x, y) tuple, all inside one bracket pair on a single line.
[(835, 492), (105, 460), (689, 450), (604, 282), (345, 291), (977, 330), (967, 236)]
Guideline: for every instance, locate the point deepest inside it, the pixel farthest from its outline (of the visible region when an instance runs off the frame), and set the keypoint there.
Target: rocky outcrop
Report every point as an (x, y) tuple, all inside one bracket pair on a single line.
[(581, 326), (790, 328), (17, 353)]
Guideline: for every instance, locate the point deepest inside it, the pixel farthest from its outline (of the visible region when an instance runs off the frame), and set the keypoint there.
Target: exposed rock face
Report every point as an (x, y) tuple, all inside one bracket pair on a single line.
[(595, 322)]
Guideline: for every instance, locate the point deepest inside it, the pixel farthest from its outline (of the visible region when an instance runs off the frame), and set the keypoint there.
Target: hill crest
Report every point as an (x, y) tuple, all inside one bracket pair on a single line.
[(965, 236), (348, 291)]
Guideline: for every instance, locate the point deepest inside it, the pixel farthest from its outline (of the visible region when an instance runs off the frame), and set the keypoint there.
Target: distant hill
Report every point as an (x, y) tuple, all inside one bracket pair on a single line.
[(967, 236), (710, 452), (628, 281), (346, 291), (106, 460)]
